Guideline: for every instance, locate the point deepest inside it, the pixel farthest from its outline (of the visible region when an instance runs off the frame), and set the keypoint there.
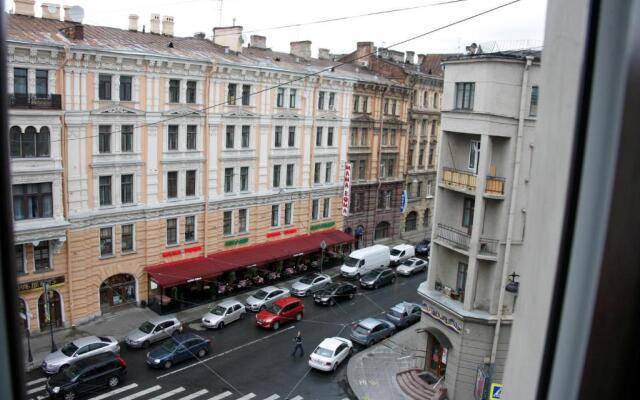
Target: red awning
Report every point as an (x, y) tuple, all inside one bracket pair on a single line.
[(179, 272)]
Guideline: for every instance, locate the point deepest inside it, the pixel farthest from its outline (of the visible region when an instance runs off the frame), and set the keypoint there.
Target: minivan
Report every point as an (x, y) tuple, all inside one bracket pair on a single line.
[(402, 252), (364, 260)]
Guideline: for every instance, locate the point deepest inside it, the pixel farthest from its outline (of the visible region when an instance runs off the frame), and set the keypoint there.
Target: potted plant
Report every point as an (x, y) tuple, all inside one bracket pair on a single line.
[(438, 285)]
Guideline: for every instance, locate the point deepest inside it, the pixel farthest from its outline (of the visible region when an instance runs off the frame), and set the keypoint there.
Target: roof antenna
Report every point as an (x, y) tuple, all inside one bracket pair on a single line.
[(234, 21)]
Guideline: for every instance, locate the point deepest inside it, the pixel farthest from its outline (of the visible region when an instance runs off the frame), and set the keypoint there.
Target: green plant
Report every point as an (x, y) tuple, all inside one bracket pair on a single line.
[(279, 266)]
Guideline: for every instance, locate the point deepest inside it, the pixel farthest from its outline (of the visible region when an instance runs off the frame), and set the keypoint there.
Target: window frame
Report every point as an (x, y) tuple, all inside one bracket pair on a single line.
[(105, 82), (243, 222), (100, 241), (275, 215), (176, 229), (124, 250), (228, 180), (192, 137), (227, 223), (172, 179), (174, 91), (191, 94), (173, 137), (127, 142), (102, 191), (190, 228), (39, 80), (43, 246), (131, 199), (464, 95), (191, 183), (125, 88)]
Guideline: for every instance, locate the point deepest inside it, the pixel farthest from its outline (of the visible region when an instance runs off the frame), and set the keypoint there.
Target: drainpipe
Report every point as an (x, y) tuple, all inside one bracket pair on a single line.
[(512, 206), (375, 199)]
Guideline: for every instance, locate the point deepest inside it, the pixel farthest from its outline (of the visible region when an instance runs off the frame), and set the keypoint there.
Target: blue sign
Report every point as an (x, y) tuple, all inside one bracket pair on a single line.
[(403, 202), (496, 391)]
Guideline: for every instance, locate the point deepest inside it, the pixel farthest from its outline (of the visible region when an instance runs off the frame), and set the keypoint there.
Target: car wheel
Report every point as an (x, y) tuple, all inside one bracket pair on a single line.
[(114, 381), (242, 315), (261, 308), (375, 286), (167, 364), (70, 395), (333, 369), (393, 280), (276, 326), (145, 344), (62, 368), (332, 302), (202, 353), (298, 316), (221, 325)]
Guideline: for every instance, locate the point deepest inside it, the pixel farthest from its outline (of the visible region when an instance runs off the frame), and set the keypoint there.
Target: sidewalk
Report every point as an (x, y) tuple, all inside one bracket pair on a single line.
[(120, 323), (372, 372)]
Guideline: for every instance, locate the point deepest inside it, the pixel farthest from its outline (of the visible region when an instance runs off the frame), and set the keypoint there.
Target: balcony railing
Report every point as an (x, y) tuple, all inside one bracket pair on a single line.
[(467, 181), (31, 101), (460, 239)]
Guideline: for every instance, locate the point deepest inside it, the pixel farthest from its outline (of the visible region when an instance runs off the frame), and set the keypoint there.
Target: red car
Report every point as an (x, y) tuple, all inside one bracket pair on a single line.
[(279, 312)]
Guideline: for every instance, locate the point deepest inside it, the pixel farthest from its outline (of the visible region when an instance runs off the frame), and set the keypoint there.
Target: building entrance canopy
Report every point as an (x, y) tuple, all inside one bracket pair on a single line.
[(195, 269)]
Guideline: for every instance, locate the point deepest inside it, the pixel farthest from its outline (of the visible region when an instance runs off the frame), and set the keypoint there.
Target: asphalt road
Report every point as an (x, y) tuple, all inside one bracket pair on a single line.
[(246, 359)]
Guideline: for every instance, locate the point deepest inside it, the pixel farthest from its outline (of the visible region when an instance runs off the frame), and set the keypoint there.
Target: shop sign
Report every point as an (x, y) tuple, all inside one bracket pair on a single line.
[(496, 391), (346, 191), (323, 225), (171, 253), (290, 231), (443, 319), (236, 241), (403, 202), (481, 381), (193, 249), (39, 284), (274, 234)]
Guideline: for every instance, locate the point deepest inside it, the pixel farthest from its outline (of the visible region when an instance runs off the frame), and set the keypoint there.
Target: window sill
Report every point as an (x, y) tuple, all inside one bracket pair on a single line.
[(106, 256), (106, 207), (172, 245), (43, 271), (127, 253)]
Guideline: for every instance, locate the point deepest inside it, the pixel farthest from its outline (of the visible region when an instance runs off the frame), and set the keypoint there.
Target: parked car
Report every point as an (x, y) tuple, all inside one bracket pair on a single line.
[(424, 247), (371, 330), (404, 314), (224, 313), (180, 348), (153, 330), (280, 312), (401, 252), (412, 266), (378, 277), (77, 350), (335, 292), (88, 375), (364, 260), (309, 284), (265, 296), (330, 353)]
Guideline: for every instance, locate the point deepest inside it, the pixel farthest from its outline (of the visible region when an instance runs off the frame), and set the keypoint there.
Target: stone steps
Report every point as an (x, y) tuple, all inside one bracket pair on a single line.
[(416, 388)]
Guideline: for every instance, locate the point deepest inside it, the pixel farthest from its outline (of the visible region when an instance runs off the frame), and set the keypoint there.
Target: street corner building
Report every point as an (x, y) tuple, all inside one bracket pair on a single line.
[(489, 110)]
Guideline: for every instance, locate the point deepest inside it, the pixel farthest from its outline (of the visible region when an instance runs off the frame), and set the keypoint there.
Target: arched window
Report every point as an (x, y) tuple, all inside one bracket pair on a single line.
[(31, 143), (16, 141), (42, 142), (411, 222), (382, 230), (425, 99), (435, 100)]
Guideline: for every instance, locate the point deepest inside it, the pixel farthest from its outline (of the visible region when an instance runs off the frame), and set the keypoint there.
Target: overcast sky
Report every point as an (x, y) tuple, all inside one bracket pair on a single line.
[(515, 26)]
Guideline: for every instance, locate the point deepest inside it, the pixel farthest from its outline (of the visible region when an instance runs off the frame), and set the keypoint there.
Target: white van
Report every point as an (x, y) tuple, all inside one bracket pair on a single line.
[(364, 260), (401, 253)]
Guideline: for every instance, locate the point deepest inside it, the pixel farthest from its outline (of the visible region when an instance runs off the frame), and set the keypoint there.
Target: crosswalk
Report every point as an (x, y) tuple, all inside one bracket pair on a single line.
[(36, 391)]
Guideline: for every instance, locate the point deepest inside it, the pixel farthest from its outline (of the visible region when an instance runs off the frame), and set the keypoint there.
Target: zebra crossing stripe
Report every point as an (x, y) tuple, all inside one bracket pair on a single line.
[(35, 390), (272, 397), (297, 398), (247, 396), (221, 395), (31, 383), (142, 393), (169, 393), (194, 395), (116, 391)]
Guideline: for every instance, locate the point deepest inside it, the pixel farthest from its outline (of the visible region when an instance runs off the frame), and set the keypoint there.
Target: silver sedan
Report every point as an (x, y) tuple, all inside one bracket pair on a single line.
[(265, 296), (310, 284), (77, 350), (223, 314)]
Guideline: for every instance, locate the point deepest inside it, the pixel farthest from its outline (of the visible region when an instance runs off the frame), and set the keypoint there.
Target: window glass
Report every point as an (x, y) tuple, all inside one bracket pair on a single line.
[(41, 256), (174, 91), (246, 94), (190, 184), (192, 137), (125, 88), (20, 87), (172, 184), (190, 228), (105, 190), (126, 189), (246, 138), (172, 137), (231, 94), (106, 241), (227, 222), (126, 138), (127, 237), (42, 83), (104, 87), (172, 231), (191, 92)]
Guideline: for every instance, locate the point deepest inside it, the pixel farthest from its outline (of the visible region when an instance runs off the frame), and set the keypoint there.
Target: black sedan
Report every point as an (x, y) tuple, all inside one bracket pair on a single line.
[(335, 292), (378, 277), (180, 348), (424, 247)]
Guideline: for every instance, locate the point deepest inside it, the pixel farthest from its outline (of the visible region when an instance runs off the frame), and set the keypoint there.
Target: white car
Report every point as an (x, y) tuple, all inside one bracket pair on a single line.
[(309, 284), (223, 314), (411, 266), (265, 296), (330, 353)]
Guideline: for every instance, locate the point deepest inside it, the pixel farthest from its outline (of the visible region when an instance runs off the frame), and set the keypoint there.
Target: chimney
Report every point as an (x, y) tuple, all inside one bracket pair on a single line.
[(199, 35), (133, 22), (410, 57), (154, 24), (362, 49), (50, 11), (259, 42), (383, 52), (73, 14), (228, 36), (167, 25), (25, 7), (420, 59), (397, 56), (324, 54), (301, 49)]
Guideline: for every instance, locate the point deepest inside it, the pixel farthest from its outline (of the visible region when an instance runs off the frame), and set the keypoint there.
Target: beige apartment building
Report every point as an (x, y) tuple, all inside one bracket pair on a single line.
[(140, 160)]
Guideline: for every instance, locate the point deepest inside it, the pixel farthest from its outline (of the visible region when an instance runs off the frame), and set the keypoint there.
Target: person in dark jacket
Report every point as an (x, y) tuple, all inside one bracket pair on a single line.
[(298, 341)]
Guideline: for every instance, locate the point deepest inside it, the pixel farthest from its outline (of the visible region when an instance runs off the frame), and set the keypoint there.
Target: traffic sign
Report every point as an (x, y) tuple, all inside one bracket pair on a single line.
[(496, 391)]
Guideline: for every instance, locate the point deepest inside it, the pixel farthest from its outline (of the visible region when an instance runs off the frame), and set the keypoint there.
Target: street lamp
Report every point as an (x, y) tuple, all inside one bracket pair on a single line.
[(323, 245), (47, 301)]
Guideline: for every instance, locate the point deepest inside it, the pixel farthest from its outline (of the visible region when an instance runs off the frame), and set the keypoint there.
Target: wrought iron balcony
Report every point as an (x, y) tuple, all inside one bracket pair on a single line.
[(32, 101), (460, 240), (466, 181)]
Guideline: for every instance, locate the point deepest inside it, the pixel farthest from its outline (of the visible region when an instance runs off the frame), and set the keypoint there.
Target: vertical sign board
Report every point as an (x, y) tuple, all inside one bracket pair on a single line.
[(403, 202), (481, 381), (496, 391), (346, 191)]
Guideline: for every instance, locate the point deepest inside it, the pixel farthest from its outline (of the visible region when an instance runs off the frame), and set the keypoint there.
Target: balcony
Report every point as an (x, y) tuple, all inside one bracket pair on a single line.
[(458, 240), (465, 182), (31, 101)]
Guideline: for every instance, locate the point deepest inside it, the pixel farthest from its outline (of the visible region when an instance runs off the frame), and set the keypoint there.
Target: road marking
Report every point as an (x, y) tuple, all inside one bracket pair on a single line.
[(297, 398), (204, 360), (111, 393), (194, 395), (169, 394), (142, 393), (35, 390), (221, 395), (272, 397), (31, 383), (247, 396)]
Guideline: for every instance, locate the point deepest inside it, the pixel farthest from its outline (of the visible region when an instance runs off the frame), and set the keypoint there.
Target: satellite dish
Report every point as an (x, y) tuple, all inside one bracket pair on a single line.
[(76, 14)]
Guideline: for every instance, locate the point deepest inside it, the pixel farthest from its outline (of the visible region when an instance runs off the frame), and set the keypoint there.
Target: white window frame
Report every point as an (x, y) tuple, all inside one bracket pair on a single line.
[(177, 243), (247, 221), (133, 250), (113, 243), (271, 217), (474, 149), (285, 214), (195, 228), (232, 224)]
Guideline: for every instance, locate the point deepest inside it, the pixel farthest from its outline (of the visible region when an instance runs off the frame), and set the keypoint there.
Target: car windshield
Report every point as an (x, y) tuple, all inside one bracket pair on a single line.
[(170, 345), (351, 262), (273, 308), (260, 294), (218, 310), (69, 349), (321, 351), (307, 279), (394, 312), (408, 263), (359, 329), (147, 327), (70, 372), (395, 252)]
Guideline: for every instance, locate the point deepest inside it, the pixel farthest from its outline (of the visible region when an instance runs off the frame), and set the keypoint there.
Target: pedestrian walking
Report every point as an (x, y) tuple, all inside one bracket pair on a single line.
[(298, 342)]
